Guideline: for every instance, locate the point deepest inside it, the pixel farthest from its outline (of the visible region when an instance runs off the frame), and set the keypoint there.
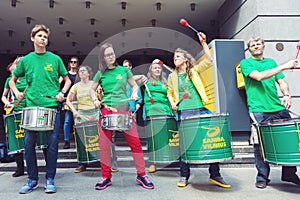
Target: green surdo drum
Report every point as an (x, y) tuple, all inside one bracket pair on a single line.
[(15, 134), (163, 138), (205, 138), (87, 142), (280, 141)]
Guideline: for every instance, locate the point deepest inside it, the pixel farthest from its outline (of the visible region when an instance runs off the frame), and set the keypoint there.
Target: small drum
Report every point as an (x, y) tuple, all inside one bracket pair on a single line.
[(116, 122), (280, 141), (66, 107), (87, 142), (38, 119), (205, 138), (163, 139), (15, 134)]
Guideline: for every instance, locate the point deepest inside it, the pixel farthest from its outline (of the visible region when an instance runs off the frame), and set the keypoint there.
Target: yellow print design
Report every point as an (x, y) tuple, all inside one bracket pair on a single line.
[(48, 67), (119, 76), (213, 131)]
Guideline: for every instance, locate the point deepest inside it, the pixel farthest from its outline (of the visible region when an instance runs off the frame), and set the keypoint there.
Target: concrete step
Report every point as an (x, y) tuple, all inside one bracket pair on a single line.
[(243, 157)]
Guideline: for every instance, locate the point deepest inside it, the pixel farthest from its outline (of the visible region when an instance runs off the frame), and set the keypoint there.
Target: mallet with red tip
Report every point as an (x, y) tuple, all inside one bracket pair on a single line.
[(183, 22)]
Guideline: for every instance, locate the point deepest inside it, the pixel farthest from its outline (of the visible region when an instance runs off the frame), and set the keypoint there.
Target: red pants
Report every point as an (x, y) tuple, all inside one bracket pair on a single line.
[(133, 141)]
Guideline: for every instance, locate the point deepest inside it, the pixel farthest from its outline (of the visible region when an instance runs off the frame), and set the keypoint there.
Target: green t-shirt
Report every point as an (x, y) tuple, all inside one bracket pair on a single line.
[(21, 85), (262, 95), (42, 72), (161, 104), (113, 82), (194, 100)]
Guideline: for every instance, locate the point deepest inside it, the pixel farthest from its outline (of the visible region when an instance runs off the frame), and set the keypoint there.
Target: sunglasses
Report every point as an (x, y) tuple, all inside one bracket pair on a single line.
[(72, 61)]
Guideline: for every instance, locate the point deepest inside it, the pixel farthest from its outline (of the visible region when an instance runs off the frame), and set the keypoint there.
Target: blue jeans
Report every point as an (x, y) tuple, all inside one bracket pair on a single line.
[(67, 124), (52, 151), (263, 168), (214, 168)]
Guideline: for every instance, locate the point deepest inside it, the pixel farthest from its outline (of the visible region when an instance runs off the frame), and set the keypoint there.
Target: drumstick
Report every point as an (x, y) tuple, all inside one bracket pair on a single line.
[(151, 99), (51, 97), (184, 96), (293, 113), (24, 92)]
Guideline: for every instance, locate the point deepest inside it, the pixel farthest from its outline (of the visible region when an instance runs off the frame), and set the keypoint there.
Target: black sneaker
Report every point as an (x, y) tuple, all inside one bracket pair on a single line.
[(145, 182), (103, 183), (67, 145)]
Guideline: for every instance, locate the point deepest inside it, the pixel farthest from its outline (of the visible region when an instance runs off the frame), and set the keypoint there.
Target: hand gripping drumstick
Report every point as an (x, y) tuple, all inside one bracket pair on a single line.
[(24, 92)]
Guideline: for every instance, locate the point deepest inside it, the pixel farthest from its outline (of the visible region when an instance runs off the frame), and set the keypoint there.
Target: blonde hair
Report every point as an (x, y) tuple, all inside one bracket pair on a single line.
[(256, 39), (151, 76)]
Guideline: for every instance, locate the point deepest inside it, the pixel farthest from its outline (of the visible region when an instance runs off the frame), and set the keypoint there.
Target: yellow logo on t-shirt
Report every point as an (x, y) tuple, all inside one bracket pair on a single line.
[(119, 76), (48, 67)]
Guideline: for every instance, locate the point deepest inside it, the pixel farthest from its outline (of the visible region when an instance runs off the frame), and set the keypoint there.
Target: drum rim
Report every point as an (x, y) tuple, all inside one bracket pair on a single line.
[(13, 113), (215, 115), (208, 161), (39, 108), (160, 117), (80, 125), (279, 122)]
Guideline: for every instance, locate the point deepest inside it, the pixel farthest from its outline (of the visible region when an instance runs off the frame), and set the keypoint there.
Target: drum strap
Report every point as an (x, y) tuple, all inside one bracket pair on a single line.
[(256, 133)]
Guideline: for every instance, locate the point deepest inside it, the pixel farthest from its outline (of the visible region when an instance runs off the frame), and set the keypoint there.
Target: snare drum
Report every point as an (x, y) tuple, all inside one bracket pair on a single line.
[(163, 139), (87, 142), (280, 141), (116, 122), (205, 138), (38, 119), (15, 134)]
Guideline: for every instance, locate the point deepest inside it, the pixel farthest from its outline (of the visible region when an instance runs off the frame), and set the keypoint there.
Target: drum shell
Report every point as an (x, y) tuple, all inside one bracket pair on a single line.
[(38, 119), (163, 139), (116, 122), (280, 141), (87, 142), (15, 134), (205, 139)]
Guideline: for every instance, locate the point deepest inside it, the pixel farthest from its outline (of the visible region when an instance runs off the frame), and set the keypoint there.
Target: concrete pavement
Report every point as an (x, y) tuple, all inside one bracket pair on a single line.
[(81, 186)]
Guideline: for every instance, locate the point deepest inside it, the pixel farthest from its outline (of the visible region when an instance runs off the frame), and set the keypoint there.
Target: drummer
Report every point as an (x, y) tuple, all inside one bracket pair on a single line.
[(185, 81), (113, 80), (42, 70), (9, 106), (260, 75), (159, 106), (86, 110)]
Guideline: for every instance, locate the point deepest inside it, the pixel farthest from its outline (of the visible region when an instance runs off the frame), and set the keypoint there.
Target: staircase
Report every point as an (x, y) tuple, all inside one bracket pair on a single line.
[(243, 157)]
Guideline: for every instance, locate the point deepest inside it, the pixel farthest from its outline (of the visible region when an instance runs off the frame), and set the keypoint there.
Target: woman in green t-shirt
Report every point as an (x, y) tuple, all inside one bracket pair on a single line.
[(113, 79), (185, 82), (157, 110), (10, 105)]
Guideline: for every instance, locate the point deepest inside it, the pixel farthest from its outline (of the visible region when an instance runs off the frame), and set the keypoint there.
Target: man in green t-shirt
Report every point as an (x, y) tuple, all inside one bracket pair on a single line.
[(261, 75), (42, 70)]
